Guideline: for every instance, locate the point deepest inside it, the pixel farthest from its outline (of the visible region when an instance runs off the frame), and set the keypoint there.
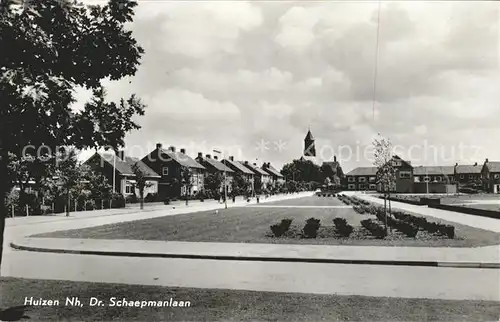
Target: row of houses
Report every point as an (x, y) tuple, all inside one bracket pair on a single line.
[(164, 170), (434, 179)]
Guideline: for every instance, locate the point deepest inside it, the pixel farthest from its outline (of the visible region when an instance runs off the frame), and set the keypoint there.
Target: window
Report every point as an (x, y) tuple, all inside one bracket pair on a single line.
[(438, 179), (396, 163), (351, 179), (362, 179), (362, 186), (352, 187), (164, 171), (372, 179), (471, 176), (461, 176), (427, 179), (497, 176), (405, 174), (373, 187), (129, 189)]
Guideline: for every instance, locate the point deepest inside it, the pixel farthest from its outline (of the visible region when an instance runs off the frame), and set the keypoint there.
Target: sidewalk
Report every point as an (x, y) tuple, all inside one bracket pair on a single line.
[(482, 257), (464, 219)]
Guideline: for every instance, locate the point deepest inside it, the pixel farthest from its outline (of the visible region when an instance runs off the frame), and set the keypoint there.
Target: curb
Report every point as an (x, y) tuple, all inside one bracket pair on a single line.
[(263, 259)]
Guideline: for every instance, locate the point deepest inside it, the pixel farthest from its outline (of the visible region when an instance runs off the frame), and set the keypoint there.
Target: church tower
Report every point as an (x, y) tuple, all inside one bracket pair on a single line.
[(309, 146)]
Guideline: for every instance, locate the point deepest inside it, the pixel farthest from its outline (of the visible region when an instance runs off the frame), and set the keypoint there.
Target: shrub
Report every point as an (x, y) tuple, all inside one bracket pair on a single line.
[(342, 227), (359, 209), (279, 229), (151, 197), (375, 229), (131, 198), (117, 201), (450, 231), (311, 227), (89, 205)]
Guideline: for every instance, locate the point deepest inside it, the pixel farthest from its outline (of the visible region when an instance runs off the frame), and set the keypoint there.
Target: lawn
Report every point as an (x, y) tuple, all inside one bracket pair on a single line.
[(229, 305), (251, 225)]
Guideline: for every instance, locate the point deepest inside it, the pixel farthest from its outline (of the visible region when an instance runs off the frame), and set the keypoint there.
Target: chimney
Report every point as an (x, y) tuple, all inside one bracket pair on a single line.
[(215, 157), (246, 162), (120, 154), (255, 164), (183, 151), (231, 158), (475, 164), (486, 160), (200, 155), (208, 156), (334, 158), (158, 145), (172, 148)]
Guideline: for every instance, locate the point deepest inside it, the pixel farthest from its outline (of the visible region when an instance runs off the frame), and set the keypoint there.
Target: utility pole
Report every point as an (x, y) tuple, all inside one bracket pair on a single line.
[(114, 173)]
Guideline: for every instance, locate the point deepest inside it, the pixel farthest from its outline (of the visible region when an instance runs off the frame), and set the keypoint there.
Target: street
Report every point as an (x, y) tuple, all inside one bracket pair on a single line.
[(369, 280)]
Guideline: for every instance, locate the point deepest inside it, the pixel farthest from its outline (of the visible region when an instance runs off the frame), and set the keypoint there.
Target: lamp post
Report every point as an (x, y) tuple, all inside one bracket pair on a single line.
[(225, 181), (114, 173)]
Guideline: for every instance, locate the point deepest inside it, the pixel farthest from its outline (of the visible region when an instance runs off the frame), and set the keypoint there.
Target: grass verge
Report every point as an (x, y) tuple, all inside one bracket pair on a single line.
[(229, 305)]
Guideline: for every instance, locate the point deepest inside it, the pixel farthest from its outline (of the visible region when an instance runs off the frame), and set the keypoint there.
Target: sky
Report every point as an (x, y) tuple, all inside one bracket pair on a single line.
[(250, 79)]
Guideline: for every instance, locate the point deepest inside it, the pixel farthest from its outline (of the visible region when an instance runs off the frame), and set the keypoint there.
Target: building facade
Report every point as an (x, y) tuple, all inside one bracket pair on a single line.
[(214, 166), (491, 176), (172, 166), (125, 183)]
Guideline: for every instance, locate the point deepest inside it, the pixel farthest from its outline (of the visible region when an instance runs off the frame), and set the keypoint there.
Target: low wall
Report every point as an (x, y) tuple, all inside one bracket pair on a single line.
[(469, 211), (434, 187)]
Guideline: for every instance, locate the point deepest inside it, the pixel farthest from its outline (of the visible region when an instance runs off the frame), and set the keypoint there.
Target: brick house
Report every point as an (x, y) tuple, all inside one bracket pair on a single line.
[(365, 178), (468, 174), (362, 179), (259, 174), (213, 166), (404, 175), (169, 164), (491, 176), (124, 175), (275, 175), (239, 169)]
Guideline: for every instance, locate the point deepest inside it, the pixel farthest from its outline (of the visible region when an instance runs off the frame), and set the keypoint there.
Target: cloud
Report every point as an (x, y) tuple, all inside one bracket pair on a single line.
[(237, 72), (197, 29)]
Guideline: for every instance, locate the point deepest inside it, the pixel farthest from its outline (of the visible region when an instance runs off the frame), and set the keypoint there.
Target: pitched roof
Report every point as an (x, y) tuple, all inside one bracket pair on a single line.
[(272, 171), (239, 166), (183, 159), (462, 168), (124, 167), (493, 166), (433, 170), (254, 168), (217, 165), (363, 171), (309, 135)]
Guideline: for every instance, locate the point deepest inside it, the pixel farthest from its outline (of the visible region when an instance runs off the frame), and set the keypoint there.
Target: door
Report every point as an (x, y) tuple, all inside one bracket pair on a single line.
[(496, 188)]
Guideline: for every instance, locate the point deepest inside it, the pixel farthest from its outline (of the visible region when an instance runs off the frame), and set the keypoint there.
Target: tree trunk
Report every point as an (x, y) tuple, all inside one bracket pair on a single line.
[(385, 212), (68, 198), (141, 195), (5, 185)]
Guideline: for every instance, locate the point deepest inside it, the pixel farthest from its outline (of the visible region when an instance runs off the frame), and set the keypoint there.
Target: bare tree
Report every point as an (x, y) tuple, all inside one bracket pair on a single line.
[(386, 172)]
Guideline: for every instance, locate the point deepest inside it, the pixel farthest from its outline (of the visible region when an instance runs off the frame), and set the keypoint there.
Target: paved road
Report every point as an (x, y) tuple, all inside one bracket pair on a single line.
[(485, 223), (390, 281)]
